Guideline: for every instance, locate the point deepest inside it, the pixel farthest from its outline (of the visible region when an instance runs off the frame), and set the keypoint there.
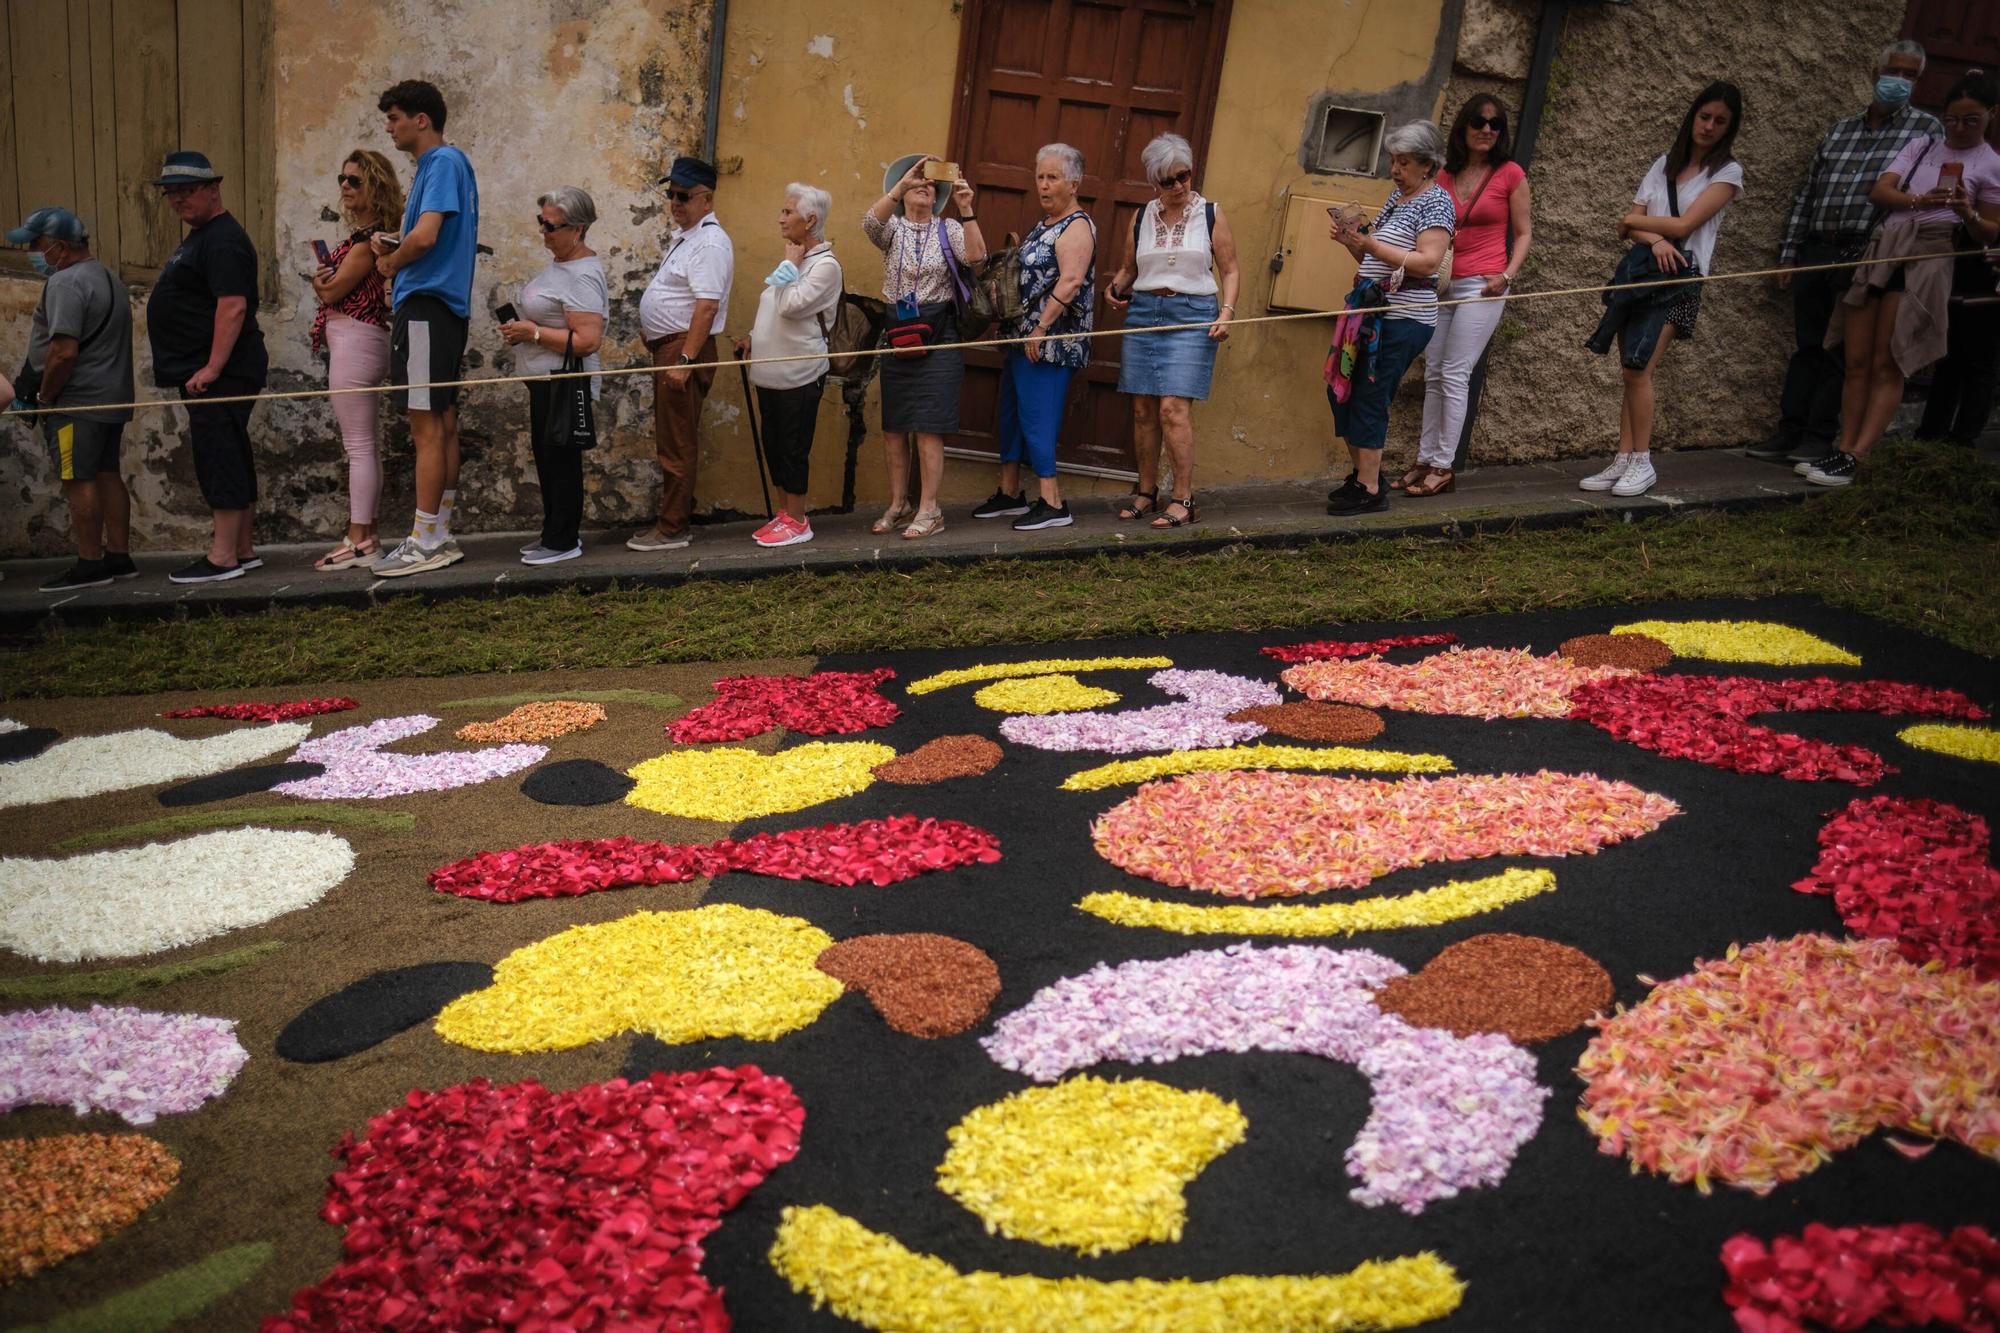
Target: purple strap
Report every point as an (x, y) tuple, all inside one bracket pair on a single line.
[(951, 263)]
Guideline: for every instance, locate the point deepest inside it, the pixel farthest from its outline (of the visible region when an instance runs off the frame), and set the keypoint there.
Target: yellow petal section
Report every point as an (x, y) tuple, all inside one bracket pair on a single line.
[(1091, 1164), (944, 680), (1980, 743), (1742, 641), (720, 971), (1447, 902), (1253, 756), (871, 1279), (728, 784), (1043, 694)]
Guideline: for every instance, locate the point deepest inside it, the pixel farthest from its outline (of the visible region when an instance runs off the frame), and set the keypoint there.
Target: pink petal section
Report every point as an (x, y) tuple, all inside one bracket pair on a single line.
[(132, 1062), (356, 770)]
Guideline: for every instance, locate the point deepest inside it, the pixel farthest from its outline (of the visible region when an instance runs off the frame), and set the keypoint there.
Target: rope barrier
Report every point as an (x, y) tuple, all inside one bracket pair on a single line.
[(149, 404)]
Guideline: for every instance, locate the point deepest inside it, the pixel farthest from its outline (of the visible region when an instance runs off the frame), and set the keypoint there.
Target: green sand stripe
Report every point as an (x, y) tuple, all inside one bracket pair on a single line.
[(656, 699), (350, 816), (158, 1305), (109, 983)]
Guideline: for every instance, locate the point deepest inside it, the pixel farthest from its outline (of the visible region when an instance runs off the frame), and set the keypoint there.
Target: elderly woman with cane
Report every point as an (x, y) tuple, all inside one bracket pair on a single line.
[(1182, 255)]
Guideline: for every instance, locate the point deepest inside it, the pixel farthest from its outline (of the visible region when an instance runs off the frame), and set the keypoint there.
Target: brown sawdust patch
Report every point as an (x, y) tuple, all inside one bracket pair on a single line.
[(941, 759), (922, 984), (1527, 988), (541, 721), (1345, 724), (65, 1194), (1635, 652)]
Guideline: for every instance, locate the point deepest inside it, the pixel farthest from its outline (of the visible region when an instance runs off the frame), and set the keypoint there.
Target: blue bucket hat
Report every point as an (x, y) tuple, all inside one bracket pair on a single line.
[(187, 168), (58, 224)]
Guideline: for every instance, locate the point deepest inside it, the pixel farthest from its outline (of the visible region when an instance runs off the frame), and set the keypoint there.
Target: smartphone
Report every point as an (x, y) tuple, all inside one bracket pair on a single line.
[(1951, 175), (940, 171), (321, 253), (506, 314)]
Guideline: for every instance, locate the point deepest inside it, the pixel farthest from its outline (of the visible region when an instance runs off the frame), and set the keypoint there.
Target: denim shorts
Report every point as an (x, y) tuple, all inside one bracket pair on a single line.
[(1177, 365), (1363, 420)]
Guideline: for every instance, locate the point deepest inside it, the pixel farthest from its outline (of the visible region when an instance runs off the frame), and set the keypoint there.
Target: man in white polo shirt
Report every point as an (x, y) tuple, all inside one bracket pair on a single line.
[(682, 310)]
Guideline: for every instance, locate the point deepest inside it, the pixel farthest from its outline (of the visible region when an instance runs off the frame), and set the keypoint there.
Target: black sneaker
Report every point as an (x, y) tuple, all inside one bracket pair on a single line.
[(1345, 489), (1041, 514), (1810, 451), (201, 571), (1822, 453), (1835, 471), (1774, 450), (1359, 500), (119, 565), (83, 574), (1001, 505)]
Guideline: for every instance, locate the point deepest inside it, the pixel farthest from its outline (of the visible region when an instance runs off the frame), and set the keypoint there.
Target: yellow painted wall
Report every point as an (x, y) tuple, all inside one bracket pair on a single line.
[(831, 93)]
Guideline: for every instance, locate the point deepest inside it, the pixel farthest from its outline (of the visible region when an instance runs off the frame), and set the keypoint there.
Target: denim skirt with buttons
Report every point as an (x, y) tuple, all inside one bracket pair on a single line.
[(1177, 365)]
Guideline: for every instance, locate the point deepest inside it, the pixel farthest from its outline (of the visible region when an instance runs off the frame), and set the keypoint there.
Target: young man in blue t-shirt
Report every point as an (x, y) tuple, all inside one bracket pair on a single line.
[(430, 272)]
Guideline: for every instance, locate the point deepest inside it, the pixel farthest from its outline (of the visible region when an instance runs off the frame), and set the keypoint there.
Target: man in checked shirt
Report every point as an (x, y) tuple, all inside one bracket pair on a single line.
[(1830, 220)]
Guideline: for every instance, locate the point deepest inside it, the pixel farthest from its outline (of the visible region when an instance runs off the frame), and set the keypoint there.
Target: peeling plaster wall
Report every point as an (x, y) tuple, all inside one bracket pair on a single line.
[(541, 93)]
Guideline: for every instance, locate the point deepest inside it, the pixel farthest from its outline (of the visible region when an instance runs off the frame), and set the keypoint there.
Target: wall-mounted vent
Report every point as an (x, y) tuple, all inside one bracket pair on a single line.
[(1347, 140)]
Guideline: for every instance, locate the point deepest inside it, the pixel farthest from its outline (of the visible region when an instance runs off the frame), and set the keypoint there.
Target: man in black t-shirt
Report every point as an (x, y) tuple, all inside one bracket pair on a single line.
[(202, 319)]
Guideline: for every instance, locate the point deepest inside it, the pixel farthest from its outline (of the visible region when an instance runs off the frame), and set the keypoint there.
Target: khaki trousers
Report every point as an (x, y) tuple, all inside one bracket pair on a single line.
[(677, 432)]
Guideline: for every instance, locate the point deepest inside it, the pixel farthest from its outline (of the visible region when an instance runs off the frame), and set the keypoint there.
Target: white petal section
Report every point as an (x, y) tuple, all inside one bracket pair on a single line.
[(8, 724), (164, 895), (90, 765)]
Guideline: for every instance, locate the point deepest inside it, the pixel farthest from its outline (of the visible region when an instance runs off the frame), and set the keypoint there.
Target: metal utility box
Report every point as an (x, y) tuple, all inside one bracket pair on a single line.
[(1313, 273)]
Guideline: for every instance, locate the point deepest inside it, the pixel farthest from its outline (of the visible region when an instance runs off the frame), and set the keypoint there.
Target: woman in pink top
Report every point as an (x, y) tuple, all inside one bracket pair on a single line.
[(1491, 193), (1943, 196)]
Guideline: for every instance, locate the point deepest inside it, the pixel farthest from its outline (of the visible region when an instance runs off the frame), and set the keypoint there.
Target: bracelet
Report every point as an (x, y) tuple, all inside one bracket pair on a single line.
[(968, 217), (1230, 308)]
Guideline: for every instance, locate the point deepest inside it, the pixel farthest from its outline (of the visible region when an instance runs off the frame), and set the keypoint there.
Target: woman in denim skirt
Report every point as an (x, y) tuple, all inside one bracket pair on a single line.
[(1180, 268)]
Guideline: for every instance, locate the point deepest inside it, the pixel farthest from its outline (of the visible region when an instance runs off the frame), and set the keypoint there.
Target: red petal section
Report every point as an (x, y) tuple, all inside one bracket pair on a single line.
[(1854, 1277), (1319, 650), (820, 704), (873, 851), (1916, 872), (501, 1207), (1705, 718), (284, 712)]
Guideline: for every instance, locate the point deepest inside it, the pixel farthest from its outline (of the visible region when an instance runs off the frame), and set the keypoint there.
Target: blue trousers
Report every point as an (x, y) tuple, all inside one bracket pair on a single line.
[(1032, 395)]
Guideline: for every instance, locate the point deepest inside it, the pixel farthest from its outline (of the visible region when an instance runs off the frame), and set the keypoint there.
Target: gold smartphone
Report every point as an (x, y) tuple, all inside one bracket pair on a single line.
[(935, 170)]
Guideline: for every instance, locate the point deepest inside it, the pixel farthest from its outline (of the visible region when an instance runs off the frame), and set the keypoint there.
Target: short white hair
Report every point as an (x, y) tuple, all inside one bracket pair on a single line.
[(810, 199), (1166, 152), (1419, 139), (1071, 159), (578, 209), (1906, 47)]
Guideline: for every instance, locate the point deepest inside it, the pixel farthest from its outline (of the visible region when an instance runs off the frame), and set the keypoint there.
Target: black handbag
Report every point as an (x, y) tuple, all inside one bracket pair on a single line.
[(572, 419)]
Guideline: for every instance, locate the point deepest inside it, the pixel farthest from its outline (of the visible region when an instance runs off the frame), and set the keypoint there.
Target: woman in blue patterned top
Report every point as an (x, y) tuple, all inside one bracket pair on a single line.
[(1400, 253), (1058, 281)]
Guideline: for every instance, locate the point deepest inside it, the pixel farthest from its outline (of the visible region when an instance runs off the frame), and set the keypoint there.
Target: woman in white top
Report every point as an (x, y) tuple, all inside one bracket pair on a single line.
[(1180, 256), (1706, 178), (794, 315), (562, 312)]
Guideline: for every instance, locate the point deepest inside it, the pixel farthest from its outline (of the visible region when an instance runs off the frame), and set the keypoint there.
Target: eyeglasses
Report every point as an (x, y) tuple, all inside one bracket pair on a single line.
[(351, 182), (1487, 123), (1969, 122), (682, 196), (1181, 177), (547, 225)]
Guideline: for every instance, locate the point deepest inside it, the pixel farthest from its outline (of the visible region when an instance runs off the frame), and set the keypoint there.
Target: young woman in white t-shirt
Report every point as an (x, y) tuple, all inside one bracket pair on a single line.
[(1707, 179)]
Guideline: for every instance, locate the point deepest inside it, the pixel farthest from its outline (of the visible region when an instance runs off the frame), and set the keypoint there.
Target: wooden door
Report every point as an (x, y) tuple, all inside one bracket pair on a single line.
[(1958, 35), (1104, 76)]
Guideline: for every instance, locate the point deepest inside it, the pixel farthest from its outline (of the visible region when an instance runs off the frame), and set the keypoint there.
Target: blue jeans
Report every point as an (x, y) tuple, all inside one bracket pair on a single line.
[(1032, 395), (1363, 420)]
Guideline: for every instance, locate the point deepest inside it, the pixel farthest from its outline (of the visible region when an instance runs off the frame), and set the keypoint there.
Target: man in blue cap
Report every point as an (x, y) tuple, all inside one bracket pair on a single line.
[(202, 319), (80, 356), (679, 314)]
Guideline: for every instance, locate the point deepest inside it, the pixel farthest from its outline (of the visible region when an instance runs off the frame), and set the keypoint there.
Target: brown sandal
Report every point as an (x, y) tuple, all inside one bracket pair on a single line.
[(1416, 473), (1436, 481)]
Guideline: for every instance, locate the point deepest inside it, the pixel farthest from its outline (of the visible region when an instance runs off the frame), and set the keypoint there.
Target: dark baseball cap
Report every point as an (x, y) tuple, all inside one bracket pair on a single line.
[(691, 173), (58, 224)]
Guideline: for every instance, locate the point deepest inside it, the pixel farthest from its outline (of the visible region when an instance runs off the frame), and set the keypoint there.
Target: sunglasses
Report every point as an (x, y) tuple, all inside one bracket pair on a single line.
[(682, 196), (1487, 123), (548, 226), (351, 182), (1181, 177)]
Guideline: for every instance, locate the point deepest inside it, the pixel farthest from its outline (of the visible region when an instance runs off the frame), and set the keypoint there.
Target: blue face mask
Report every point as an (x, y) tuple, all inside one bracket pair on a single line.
[(41, 263), (1893, 90)]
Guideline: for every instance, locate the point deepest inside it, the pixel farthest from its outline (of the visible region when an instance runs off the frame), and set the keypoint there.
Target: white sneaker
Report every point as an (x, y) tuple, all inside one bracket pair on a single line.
[(410, 558), (1638, 479), (1605, 480), (652, 539), (542, 555), (533, 546)]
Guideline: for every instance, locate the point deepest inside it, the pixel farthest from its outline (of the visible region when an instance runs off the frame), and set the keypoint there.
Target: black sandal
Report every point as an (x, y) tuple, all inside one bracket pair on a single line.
[(1189, 514), (1132, 508)]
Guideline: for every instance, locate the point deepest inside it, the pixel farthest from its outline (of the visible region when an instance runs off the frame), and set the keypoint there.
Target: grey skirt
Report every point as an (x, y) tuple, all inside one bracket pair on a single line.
[(920, 395)]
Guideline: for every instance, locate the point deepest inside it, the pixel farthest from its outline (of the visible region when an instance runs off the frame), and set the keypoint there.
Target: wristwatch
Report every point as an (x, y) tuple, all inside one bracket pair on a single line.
[(686, 360)]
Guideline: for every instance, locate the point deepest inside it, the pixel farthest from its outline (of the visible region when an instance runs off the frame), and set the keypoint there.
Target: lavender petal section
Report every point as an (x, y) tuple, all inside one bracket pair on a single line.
[(133, 1062), (356, 770)]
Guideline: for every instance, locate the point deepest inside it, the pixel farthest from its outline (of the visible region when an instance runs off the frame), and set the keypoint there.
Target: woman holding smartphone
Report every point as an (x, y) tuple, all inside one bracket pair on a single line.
[(1941, 196), (352, 328)]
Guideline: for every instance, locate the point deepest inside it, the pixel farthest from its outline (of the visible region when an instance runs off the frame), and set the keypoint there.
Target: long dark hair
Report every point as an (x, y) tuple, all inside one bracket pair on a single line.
[(1720, 155), (1455, 153)]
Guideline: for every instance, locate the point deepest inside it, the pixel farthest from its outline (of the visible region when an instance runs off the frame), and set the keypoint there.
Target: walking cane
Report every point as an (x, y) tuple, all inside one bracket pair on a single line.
[(756, 437)]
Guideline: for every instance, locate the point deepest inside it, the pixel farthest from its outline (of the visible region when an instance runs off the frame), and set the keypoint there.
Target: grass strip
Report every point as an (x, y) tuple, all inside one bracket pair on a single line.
[(167, 1300), (398, 821), (1915, 541), (111, 982), (655, 699)]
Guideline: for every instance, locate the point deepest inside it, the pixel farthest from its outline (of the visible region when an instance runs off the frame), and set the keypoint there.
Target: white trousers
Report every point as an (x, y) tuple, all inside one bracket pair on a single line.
[(1462, 334)]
